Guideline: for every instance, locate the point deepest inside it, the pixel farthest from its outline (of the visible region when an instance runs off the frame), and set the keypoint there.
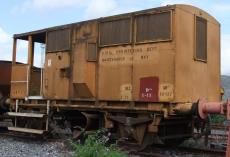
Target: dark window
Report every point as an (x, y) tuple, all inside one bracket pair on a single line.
[(58, 40), (115, 32), (201, 39), (92, 52), (153, 27)]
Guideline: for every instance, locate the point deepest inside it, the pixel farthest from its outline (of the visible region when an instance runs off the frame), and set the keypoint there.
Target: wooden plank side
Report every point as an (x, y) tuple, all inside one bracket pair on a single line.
[(157, 60), (19, 78), (115, 73), (213, 62), (84, 71), (126, 65), (56, 80)]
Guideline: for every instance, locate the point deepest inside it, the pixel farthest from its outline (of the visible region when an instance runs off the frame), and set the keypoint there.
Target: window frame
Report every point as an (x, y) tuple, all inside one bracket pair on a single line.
[(116, 19), (154, 41), (195, 41), (69, 44), (87, 54)]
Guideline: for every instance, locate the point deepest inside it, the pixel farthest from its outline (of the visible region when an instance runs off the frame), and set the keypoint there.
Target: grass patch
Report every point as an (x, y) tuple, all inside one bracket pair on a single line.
[(96, 145), (217, 118)]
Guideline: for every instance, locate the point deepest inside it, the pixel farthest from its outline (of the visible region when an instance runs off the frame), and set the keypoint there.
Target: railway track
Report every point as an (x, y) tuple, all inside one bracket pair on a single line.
[(145, 154), (203, 151), (20, 135), (156, 150), (219, 127), (160, 151), (218, 132)]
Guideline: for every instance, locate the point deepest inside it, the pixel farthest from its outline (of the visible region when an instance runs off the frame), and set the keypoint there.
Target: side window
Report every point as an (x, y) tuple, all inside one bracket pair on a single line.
[(201, 39), (115, 32), (153, 27), (58, 40), (91, 52)]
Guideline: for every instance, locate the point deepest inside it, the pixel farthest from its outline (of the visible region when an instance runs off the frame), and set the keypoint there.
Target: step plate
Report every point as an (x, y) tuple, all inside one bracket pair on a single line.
[(5, 124), (26, 130), (32, 115)]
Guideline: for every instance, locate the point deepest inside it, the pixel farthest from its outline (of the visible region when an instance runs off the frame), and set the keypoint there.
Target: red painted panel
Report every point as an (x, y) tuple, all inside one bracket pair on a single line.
[(149, 87)]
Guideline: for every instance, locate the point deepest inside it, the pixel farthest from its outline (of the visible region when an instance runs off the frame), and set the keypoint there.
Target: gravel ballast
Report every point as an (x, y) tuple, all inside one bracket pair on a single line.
[(16, 147)]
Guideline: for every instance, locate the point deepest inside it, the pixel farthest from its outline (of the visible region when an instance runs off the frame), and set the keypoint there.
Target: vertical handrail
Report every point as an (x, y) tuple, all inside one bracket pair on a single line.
[(42, 68), (30, 60), (47, 112), (16, 110), (27, 79), (14, 51), (41, 86)]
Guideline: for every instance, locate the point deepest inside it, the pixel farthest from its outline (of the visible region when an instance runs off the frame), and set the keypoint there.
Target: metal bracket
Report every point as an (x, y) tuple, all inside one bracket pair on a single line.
[(130, 121)]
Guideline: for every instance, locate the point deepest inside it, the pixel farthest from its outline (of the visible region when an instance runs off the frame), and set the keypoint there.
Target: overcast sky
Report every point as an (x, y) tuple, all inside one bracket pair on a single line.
[(18, 16)]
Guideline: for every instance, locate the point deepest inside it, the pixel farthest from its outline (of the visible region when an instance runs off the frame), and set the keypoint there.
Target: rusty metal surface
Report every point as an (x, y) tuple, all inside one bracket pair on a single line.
[(117, 74), (5, 77), (55, 85), (173, 66), (134, 63), (82, 90), (19, 81), (83, 70), (194, 78), (5, 72)]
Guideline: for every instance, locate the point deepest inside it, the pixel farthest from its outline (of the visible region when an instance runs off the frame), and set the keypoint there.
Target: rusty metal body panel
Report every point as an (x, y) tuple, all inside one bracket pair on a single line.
[(194, 78), (182, 77), (125, 66), (5, 69), (56, 81), (84, 71), (5, 75), (119, 66)]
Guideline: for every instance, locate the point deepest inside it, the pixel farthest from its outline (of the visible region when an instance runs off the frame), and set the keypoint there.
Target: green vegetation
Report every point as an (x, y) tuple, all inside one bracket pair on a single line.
[(96, 145), (217, 118)]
